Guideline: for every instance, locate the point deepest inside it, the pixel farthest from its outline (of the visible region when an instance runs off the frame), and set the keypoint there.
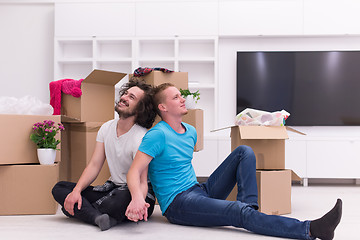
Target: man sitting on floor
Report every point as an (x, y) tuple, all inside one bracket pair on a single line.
[(167, 150), (117, 142)]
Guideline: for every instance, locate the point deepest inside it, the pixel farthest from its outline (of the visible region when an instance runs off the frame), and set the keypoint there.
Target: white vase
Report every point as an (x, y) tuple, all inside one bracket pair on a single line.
[(46, 156), (190, 102)]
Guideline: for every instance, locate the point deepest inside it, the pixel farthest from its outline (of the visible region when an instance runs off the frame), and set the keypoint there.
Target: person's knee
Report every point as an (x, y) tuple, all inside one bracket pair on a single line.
[(60, 189), (56, 187), (244, 149)]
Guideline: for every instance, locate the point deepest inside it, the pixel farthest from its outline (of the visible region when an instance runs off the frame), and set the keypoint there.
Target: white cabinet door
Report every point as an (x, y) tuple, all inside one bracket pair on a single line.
[(94, 19), (333, 159), (261, 17), (205, 161), (177, 18), (331, 17), (295, 157)]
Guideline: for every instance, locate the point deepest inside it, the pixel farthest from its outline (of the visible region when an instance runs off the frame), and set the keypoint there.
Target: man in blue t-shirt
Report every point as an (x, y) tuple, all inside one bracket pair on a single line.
[(166, 151)]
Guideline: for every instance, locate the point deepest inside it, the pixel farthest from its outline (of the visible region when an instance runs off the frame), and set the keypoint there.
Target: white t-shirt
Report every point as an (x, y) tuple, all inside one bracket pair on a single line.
[(120, 151)]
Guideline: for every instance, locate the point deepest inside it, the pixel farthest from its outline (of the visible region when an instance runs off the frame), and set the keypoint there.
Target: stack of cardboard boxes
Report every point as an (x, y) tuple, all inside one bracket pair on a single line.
[(274, 181), (84, 116), (25, 185)]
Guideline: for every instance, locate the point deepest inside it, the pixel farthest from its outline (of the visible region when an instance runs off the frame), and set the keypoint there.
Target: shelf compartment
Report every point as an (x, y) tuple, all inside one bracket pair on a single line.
[(201, 48), (115, 66), (114, 49), (73, 70), (156, 48), (69, 49), (199, 72)]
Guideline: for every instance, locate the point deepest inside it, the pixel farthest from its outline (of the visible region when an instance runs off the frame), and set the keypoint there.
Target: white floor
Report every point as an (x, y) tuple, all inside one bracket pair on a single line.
[(307, 203)]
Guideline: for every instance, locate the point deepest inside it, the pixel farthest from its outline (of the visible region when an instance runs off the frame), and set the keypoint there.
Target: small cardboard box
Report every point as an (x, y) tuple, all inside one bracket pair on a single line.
[(274, 191), (155, 78), (16, 146), (194, 117), (26, 189), (268, 144), (97, 101), (81, 142)]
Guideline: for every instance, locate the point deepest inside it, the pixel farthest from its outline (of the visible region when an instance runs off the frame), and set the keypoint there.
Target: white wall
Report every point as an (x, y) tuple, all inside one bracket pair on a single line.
[(26, 53), (26, 49)]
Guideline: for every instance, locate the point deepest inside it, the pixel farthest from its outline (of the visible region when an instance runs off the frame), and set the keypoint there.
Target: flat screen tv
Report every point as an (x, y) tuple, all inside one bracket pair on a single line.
[(317, 88)]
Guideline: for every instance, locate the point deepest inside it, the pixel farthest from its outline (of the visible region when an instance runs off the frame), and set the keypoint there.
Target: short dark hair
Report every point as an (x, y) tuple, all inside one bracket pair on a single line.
[(145, 110), (158, 96)]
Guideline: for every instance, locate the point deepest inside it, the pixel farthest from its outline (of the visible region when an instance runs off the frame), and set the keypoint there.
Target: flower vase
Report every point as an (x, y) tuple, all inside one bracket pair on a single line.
[(190, 102), (46, 156)]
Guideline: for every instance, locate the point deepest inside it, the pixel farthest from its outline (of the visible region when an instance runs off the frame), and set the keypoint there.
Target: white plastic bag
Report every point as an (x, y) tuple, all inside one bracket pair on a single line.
[(26, 105), (255, 117)]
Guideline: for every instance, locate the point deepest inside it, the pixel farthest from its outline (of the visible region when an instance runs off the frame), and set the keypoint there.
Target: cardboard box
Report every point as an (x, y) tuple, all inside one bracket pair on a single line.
[(26, 189), (16, 146), (268, 144), (64, 168), (194, 117), (81, 142), (155, 78), (274, 191), (97, 101)]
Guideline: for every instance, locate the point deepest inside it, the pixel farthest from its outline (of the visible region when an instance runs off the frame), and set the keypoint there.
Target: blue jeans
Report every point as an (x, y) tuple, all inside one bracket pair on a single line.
[(205, 205)]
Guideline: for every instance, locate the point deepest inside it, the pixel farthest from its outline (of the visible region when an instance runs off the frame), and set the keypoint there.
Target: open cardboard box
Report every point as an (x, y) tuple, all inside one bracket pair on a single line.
[(274, 191), (16, 146), (155, 78), (97, 101), (26, 189), (267, 142)]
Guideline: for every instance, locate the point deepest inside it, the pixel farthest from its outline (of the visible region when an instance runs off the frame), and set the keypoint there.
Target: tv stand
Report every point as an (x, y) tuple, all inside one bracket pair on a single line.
[(324, 153)]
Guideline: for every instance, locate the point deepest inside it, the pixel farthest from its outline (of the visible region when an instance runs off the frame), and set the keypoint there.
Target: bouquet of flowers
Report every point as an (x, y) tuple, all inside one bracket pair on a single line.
[(44, 134)]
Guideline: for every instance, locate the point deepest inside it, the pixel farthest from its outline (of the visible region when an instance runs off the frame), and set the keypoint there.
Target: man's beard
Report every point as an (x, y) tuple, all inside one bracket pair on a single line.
[(124, 114)]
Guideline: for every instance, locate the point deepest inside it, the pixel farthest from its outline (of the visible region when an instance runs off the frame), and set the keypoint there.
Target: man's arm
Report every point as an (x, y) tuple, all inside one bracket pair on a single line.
[(136, 178), (87, 177)]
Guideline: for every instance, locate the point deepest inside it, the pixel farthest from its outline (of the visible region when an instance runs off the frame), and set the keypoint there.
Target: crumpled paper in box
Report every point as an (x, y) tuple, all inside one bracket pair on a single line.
[(255, 117), (27, 105)]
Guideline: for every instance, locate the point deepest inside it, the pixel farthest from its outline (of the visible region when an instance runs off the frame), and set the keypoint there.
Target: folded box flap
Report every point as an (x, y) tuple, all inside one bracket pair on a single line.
[(262, 132), (104, 77)]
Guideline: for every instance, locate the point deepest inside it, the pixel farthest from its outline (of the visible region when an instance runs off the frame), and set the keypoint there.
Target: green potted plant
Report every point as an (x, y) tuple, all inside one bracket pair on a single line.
[(43, 136), (191, 98)]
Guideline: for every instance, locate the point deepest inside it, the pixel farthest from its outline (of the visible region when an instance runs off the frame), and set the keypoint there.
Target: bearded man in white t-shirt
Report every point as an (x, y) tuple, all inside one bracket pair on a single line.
[(117, 141)]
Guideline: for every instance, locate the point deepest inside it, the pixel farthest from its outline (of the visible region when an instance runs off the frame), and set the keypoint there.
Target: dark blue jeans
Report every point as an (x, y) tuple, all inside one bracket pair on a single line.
[(205, 205)]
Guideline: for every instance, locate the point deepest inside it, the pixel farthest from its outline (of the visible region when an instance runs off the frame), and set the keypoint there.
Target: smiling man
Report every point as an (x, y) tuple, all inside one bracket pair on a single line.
[(167, 151), (117, 142)]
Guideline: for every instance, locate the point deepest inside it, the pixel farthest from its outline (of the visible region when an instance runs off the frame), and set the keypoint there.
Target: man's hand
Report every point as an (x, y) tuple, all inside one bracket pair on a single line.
[(70, 200), (137, 210)]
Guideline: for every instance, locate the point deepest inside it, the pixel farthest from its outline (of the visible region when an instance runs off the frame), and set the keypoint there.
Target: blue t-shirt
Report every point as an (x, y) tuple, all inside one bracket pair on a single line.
[(170, 170)]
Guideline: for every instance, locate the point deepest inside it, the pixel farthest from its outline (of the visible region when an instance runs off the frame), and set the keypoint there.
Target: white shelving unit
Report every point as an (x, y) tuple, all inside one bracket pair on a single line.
[(76, 57)]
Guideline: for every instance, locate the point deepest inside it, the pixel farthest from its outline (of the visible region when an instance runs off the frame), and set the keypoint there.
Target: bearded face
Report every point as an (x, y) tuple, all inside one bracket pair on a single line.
[(125, 112), (126, 107)]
